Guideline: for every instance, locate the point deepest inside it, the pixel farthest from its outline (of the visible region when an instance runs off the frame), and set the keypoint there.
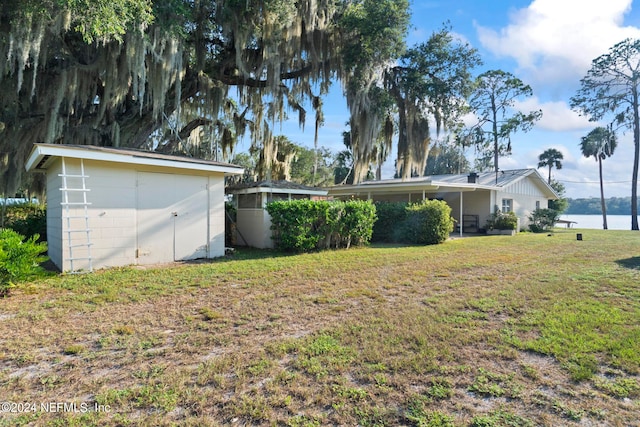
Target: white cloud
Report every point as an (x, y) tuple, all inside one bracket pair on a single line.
[(461, 38), (580, 174), (558, 39), (556, 115)]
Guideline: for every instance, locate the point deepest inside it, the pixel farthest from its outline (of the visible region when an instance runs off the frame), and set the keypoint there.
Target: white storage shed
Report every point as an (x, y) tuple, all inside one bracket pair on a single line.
[(110, 207)]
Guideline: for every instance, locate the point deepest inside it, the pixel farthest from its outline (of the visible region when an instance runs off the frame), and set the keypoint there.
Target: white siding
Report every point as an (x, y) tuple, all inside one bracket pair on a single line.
[(172, 217), (525, 193), (254, 225), (113, 215), (54, 215), (216, 216)]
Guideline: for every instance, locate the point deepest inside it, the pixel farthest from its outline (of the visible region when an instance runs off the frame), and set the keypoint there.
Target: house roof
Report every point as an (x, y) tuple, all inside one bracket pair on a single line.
[(281, 186), (42, 154), (447, 183)]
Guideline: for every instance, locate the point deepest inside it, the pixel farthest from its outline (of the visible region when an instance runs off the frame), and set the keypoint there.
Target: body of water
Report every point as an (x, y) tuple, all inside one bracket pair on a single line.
[(614, 222)]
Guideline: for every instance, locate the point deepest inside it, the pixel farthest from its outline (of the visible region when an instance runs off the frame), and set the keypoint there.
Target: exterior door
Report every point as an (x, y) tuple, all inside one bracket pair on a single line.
[(171, 217)]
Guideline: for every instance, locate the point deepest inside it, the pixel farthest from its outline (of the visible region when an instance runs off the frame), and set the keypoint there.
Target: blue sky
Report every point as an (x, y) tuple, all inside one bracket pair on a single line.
[(548, 44)]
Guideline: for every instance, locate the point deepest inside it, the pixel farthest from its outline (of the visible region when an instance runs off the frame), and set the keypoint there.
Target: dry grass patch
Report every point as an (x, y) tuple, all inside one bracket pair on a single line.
[(524, 330)]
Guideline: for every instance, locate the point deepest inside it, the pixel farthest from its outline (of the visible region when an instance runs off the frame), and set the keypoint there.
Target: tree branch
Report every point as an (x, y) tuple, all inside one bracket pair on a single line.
[(237, 80)]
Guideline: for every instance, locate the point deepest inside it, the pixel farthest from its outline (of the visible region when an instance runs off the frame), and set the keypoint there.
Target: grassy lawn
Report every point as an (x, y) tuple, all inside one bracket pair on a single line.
[(486, 331)]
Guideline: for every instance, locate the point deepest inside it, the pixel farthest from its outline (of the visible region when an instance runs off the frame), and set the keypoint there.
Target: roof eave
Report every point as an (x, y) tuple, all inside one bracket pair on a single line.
[(387, 188), (40, 151), (253, 190)]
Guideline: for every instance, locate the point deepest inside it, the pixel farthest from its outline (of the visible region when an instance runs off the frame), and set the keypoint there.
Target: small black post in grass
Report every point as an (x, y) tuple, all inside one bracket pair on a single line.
[(579, 236)]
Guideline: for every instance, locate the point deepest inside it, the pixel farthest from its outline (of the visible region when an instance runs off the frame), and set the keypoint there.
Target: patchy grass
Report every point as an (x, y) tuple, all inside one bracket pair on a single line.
[(486, 331)]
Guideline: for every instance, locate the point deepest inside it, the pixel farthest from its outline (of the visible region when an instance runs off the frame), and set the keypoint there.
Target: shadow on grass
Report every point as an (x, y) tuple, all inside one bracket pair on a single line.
[(241, 253), (632, 263)]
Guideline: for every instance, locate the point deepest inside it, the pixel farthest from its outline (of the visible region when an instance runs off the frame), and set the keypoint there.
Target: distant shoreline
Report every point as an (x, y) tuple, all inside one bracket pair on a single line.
[(592, 206)]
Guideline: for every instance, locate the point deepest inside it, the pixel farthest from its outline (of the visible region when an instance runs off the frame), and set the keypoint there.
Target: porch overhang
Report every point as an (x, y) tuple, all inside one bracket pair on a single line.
[(372, 189)]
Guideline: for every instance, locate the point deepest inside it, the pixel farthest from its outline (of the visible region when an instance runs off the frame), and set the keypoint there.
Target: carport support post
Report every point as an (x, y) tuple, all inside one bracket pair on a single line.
[(460, 218)]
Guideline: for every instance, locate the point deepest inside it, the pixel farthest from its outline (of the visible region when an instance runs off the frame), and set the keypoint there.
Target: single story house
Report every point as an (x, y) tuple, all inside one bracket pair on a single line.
[(472, 197), (111, 207), (253, 222)]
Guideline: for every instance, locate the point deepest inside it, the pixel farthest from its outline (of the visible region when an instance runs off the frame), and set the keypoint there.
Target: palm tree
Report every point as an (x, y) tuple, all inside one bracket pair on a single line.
[(551, 159), (600, 143)]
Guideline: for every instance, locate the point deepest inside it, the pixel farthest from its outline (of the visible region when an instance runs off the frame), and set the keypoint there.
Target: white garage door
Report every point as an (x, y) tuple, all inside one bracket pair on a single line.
[(171, 217)]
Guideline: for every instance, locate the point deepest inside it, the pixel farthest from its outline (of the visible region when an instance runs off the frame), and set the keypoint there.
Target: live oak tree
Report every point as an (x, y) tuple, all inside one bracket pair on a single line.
[(550, 158), (610, 91), (600, 144), (429, 85), (159, 74), (493, 101), (381, 26), (446, 158), (312, 166), (278, 167)]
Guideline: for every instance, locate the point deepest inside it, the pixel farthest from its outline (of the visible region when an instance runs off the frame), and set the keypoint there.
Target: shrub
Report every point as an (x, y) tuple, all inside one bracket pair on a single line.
[(19, 259), (305, 225), (542, 220), (390, 216), (502, 221), (428, 222), (27, 219), (357, 222), (294, 224)]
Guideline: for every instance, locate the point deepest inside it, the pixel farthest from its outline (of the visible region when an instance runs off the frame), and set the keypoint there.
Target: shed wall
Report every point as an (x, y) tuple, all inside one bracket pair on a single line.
[(216, 216), (113, 214), (254, 226), (54, 215)]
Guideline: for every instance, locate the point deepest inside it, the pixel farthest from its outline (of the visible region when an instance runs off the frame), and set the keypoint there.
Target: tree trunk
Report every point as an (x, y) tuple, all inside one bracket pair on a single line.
[(496, 145), (636, 158), (315, 155), (602, 202)]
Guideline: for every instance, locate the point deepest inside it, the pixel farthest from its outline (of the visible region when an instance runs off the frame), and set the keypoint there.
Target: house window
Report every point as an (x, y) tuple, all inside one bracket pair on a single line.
[(537, 204), (507, 205)]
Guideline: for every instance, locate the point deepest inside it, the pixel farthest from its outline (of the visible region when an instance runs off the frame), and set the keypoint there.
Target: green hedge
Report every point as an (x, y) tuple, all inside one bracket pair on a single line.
[(390, 215), (306, 225), (426, 222)]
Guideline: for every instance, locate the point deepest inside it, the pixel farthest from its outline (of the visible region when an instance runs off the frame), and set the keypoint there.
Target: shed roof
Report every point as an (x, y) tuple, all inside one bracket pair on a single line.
[(279, 186), (41, 155), (447, 183)]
